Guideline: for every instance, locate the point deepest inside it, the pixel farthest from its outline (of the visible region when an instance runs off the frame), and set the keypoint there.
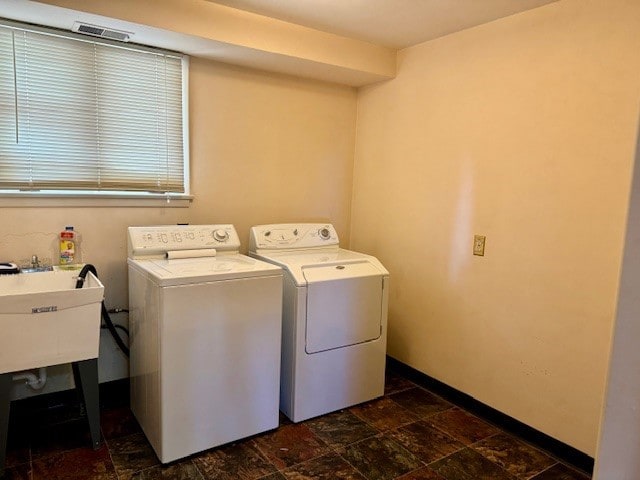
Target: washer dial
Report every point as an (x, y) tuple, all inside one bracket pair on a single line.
[(324, 233), (221, 235)]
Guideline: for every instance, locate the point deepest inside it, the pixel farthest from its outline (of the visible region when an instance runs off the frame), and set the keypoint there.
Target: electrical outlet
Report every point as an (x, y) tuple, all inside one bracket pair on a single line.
[(478, 245)]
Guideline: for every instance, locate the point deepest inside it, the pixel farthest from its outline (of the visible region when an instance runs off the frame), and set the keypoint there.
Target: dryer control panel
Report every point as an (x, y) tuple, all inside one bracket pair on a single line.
[(161, 239), (292, 236)]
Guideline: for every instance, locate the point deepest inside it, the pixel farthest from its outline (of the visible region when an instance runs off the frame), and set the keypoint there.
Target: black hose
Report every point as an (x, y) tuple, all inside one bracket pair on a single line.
[(118, 327), (105, 314)]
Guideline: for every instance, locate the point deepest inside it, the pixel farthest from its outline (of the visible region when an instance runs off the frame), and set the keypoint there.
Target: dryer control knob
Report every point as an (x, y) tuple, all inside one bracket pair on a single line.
[(220, 235), (324, 233)]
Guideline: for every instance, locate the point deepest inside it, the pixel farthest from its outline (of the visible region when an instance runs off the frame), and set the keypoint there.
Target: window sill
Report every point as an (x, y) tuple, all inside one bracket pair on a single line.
[(41, 200)]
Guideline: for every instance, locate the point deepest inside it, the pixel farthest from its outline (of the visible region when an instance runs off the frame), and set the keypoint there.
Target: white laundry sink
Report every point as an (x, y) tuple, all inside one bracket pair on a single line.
[(45, 320)]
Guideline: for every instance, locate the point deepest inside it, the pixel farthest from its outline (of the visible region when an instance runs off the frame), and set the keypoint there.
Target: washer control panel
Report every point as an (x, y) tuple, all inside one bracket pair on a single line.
[(158, 240), (291, 236)]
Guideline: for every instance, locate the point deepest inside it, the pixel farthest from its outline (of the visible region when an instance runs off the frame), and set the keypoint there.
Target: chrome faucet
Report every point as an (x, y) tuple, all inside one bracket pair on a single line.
[(35, 262)]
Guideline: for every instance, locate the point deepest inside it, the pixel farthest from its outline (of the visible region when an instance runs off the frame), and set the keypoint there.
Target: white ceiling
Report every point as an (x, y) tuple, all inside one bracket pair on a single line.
[(390, 23)]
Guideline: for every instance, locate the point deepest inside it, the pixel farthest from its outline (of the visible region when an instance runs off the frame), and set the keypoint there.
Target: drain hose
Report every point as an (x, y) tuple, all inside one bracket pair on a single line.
[(105, 314)]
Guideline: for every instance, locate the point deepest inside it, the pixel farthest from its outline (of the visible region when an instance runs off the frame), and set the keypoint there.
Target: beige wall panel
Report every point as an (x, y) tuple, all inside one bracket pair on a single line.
[(522, 130), (269, 148)]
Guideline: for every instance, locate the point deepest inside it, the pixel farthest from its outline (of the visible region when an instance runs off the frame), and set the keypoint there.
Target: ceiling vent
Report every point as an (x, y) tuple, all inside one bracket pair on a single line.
[(103, 32)]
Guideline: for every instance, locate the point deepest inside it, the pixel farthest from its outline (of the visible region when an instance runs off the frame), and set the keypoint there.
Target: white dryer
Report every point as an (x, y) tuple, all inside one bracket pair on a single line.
[(334, 331), (205, 327)]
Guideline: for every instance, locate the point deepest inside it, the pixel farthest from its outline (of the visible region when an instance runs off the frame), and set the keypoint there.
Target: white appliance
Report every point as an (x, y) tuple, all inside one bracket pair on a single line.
[(334, 330), (205, 327)]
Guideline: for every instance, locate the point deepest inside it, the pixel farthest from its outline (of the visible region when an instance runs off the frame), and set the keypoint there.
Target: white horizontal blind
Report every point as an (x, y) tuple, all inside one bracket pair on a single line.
[(83, 115)]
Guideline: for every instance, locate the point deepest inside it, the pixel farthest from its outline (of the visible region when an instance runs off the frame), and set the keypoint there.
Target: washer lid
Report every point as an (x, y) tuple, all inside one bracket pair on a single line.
[(184, 271), (297, 263)]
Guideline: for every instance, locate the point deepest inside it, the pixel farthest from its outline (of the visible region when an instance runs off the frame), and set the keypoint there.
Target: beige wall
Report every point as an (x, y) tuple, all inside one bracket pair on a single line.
[(522, 130), (264, 148), (269, 148)]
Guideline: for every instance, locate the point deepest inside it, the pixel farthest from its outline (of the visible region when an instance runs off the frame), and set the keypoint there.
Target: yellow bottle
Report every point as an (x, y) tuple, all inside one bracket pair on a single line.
[(67, 246)]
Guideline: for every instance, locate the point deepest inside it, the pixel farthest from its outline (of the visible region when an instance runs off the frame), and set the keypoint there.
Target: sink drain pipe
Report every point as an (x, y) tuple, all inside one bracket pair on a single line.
[(105, 314), (34, 381)]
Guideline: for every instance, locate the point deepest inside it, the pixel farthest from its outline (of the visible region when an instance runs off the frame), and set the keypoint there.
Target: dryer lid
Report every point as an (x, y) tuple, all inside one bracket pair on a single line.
[(340, 271), (298, 262), (343, 309)]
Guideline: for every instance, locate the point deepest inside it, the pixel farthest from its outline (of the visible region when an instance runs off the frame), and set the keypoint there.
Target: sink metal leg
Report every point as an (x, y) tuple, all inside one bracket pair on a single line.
[(85, 374), (5, 387)]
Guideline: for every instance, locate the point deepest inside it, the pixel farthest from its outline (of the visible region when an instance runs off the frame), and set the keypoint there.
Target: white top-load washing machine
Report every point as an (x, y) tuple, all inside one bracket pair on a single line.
[(334, 331), (205, 325)]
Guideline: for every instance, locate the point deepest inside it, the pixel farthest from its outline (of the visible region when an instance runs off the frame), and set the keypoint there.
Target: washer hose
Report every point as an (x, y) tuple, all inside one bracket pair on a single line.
[(105, 314)]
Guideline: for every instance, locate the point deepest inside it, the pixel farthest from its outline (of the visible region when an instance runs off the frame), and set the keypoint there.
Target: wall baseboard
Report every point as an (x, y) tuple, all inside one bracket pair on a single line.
[(558, 449)]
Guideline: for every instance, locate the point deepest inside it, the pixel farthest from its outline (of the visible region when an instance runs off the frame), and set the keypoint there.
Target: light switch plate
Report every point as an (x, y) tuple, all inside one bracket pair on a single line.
[(478, 245)]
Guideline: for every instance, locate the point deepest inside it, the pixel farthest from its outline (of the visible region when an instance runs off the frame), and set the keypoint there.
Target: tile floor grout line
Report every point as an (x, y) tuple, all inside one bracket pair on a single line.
[(352, 466), (441, 430), (371, 424), (106, 444), (433, 414), (428, 391), (111, 455), (195, 465), (544, 470), (422, 417), (400, 391), (362, 440), (30, 460), (403, 424), (266, 457), (305, 461), (448, 455), (514, 477), (514, 438), (551, 455), (392, 440), (342, 447), (534, 446), (500, 432)]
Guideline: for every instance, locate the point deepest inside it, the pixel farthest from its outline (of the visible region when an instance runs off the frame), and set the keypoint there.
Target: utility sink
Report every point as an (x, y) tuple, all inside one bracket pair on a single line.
[(45, 320)]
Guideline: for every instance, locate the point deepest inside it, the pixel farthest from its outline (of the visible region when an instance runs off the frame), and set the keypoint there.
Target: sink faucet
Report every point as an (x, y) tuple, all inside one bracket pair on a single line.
[(35, 262)]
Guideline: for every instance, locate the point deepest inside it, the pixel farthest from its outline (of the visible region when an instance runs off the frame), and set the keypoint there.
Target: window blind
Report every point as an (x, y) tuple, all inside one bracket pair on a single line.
[(79, 114)]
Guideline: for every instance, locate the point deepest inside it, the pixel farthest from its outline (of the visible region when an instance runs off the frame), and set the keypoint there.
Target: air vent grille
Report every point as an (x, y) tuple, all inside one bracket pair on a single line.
[(97, 31), (90, 30), (115, 35)]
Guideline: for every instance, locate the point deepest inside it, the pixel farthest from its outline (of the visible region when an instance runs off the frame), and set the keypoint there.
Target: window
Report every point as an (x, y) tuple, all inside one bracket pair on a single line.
[(82, 115)]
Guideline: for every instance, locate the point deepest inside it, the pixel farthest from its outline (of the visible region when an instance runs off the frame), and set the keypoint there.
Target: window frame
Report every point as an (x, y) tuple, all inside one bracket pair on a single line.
[(16, 197)]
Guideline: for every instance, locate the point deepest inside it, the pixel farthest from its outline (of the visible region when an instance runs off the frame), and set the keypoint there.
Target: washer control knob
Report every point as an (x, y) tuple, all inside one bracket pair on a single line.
[(325, 234), (220, 235)]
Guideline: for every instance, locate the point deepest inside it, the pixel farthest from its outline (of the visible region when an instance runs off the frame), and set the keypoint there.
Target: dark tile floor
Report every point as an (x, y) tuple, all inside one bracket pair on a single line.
[(409, 434)]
